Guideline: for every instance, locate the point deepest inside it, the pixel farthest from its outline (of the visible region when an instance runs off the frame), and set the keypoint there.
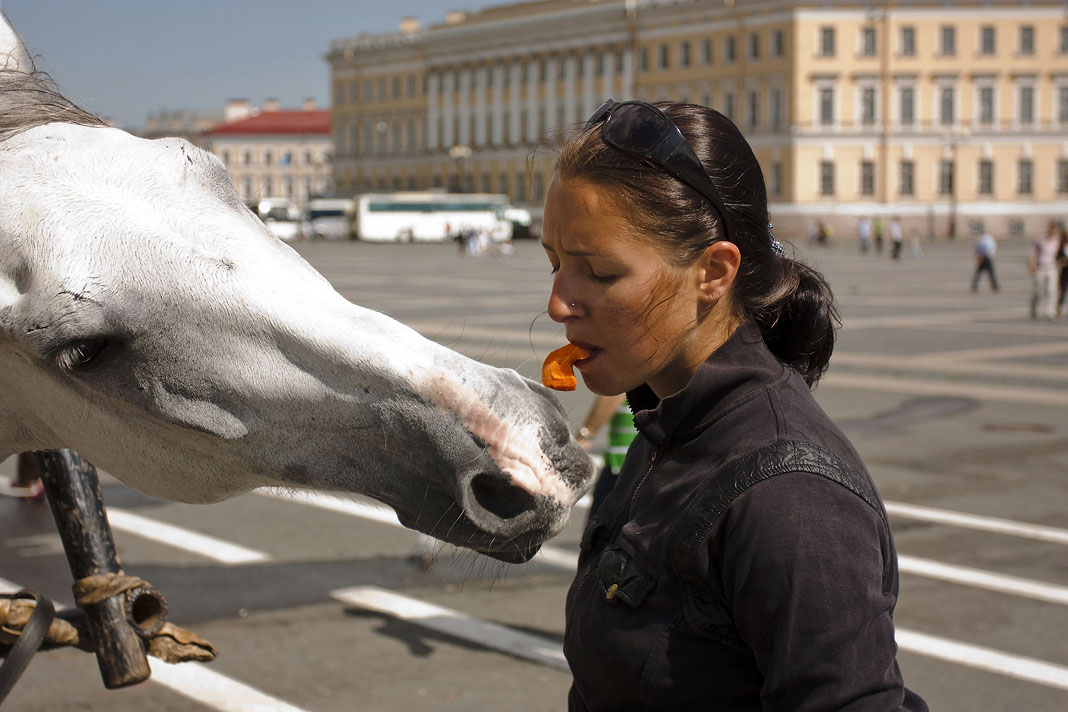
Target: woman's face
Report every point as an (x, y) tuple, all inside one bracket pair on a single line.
[(617, 294)]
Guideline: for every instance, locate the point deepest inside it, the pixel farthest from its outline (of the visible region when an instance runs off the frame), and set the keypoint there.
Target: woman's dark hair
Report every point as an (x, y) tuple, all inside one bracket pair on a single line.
[(790, 302)]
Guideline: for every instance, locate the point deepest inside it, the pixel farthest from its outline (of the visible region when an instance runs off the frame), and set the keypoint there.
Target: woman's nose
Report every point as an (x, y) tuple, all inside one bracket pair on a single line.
[(561, 306)]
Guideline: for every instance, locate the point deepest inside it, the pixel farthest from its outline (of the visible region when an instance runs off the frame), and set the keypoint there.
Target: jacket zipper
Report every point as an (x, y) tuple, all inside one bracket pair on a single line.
[(638, 487)]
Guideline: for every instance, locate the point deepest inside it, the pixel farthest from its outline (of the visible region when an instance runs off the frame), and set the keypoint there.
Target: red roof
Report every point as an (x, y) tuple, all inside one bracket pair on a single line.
[(278, 122)]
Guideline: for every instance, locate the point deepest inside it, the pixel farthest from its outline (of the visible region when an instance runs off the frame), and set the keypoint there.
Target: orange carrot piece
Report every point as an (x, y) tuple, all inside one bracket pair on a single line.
[(558, 371)]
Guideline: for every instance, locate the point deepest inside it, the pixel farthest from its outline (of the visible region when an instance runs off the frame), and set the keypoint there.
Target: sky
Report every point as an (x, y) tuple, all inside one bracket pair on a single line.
[(124, 59)]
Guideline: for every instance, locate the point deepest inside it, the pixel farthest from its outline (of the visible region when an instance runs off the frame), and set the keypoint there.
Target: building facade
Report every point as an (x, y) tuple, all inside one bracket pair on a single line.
[(943, 112), (273, 152)]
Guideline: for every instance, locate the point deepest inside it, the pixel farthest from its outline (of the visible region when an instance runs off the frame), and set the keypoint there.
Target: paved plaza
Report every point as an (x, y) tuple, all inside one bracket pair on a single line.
[(956, 400)]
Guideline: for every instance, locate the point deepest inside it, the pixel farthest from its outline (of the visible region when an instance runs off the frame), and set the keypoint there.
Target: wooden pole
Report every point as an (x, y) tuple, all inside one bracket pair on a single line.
[(73, 491)]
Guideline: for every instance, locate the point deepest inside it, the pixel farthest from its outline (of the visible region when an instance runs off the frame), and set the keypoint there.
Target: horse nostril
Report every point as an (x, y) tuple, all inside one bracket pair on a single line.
[(500, 498)]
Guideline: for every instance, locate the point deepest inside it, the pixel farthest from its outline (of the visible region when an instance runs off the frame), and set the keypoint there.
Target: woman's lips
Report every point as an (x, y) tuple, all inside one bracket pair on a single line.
[(594, 351)]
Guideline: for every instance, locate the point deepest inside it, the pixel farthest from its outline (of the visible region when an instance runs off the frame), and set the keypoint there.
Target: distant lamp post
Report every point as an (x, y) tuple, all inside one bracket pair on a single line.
[(460, 153), (952, 139)]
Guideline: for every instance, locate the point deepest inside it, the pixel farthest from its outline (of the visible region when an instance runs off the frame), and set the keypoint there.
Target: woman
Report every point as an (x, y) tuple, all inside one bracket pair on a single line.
[(743, 560)]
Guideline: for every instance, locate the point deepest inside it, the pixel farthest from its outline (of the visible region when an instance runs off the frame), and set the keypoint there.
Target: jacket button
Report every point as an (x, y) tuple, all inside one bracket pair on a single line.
[(611, 592)]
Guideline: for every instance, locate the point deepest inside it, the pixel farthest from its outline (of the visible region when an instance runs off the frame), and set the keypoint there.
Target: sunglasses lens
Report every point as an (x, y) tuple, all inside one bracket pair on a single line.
[(635, 128)]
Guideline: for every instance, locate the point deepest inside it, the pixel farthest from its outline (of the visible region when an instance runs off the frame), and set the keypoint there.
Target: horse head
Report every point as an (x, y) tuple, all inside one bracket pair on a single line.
[(151, 322)]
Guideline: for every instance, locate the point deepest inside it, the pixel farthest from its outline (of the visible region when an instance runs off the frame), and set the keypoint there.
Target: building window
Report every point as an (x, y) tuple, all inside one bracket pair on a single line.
[(246, 188), (662, 56), (268, 186), (1062, 104), (945, 177), (394, 87), (268, 157), (502, 183), (287, 156), (826, 41), (380, 88), (730, 51), (226, 158), (867, 106), (1063, 44), (986, 177), (946, 105), (728, 104), (907, 105), (867, 177), (246, 158), (1025, 169), (684, 54), (947, 40), (409, 88), (775, 179), (706, 51), (778, 43), (754, 45), (1027, 39), (827, 178), (826, 106), (1062, 176), (1027, 104), (520, 188), (905, 173), (908, 41), (867, 41), (777, 113), (986, 105), (643, 59), (986, 40), (753, 120)]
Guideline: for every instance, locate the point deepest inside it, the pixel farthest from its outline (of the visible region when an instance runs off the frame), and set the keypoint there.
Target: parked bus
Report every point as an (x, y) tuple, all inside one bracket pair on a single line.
[(328, 218), (430, 217)]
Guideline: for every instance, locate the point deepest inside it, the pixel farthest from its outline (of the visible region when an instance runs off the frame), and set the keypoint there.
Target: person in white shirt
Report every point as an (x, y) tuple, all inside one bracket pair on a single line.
[(1043, 265), (985, 248)]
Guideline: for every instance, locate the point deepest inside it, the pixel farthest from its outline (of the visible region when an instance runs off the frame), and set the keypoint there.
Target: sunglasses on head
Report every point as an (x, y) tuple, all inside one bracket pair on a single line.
[(644, 131)]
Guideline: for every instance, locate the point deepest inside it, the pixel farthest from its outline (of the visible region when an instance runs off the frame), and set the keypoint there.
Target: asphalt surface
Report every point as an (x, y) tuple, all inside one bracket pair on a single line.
[(957, 402)]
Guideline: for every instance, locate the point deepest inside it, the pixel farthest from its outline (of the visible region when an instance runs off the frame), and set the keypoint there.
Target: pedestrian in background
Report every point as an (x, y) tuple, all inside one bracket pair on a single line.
[(864, 232), (896, 238), (1044, 272), (744, 559), (1062, 261), (985, 249), (615, 412), (879, 226)]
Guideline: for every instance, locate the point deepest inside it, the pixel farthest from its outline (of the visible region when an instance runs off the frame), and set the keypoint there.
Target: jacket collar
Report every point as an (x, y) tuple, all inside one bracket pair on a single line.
[(740, 366)]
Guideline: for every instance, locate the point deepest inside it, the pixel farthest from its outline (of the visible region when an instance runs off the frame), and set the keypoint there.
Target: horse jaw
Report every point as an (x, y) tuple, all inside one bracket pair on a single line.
[(236, 365)]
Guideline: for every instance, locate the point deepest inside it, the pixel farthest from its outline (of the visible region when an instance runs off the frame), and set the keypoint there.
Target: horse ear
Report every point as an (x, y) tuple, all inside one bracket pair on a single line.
[(13, 54)]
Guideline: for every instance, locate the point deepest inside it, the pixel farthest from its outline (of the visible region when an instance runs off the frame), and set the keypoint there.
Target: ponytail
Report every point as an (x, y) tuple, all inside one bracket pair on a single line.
[(798, 318)]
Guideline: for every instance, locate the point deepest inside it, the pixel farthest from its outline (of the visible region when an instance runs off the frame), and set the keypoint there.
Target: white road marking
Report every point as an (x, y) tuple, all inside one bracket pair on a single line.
[(986, 659), (180, 538), (353, 505), (959, 389), (215, 690), (1040, 532), (446, 620), (1002, 583), (197, 682)]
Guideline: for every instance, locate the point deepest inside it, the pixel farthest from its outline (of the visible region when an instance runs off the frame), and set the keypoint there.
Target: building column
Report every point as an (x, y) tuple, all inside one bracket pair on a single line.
[(608, 83), (628, 75), (498, 104), (432, 137), (589, 78), (463, 97), (569, 90), (532, 101), (550, 93), (480, 106), (448, 111), (514, 87)]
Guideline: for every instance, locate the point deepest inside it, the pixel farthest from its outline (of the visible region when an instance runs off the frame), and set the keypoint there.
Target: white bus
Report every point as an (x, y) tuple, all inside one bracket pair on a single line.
[(430, 217)]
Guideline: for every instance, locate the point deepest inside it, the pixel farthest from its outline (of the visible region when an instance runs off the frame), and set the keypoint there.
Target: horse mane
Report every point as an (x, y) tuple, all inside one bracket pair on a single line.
[(31, 99)]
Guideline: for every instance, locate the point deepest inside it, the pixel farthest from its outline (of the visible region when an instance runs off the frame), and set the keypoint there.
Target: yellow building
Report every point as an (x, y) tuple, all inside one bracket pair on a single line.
[(942, 112)]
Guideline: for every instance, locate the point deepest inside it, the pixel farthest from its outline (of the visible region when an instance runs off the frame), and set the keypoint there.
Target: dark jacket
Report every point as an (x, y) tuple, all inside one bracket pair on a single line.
[(784, 602)]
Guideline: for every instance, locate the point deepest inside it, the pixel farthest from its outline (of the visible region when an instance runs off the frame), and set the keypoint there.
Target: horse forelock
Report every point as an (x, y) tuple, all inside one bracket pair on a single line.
[(31, 99)]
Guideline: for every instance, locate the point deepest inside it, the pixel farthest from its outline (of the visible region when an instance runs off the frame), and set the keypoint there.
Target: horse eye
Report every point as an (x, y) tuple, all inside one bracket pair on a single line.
[(80, 354)]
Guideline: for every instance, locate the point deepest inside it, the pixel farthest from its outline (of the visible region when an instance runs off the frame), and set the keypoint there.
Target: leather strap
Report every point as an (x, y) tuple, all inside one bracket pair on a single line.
[(30, 639)]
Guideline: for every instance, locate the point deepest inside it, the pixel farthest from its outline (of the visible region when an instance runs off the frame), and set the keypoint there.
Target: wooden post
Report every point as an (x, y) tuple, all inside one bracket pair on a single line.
[(73, 491)]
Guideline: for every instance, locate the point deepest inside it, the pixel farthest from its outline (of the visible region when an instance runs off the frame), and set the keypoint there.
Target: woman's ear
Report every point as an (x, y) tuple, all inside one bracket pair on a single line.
[(716, 269)]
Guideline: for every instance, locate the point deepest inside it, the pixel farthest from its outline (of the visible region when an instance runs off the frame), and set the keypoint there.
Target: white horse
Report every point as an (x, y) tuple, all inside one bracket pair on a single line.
[(149, 321)]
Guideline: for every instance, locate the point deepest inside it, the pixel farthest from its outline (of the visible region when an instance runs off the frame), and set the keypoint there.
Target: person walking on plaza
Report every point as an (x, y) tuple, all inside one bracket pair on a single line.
[(1062, 262), (1043, 267), (897, 239), (864, 232), (614, 411), (879, 225), (985, 249), (744, 559)]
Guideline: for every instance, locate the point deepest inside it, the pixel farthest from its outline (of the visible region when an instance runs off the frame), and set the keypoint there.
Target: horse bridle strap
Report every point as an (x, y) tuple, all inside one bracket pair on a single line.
[(30, 638)]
